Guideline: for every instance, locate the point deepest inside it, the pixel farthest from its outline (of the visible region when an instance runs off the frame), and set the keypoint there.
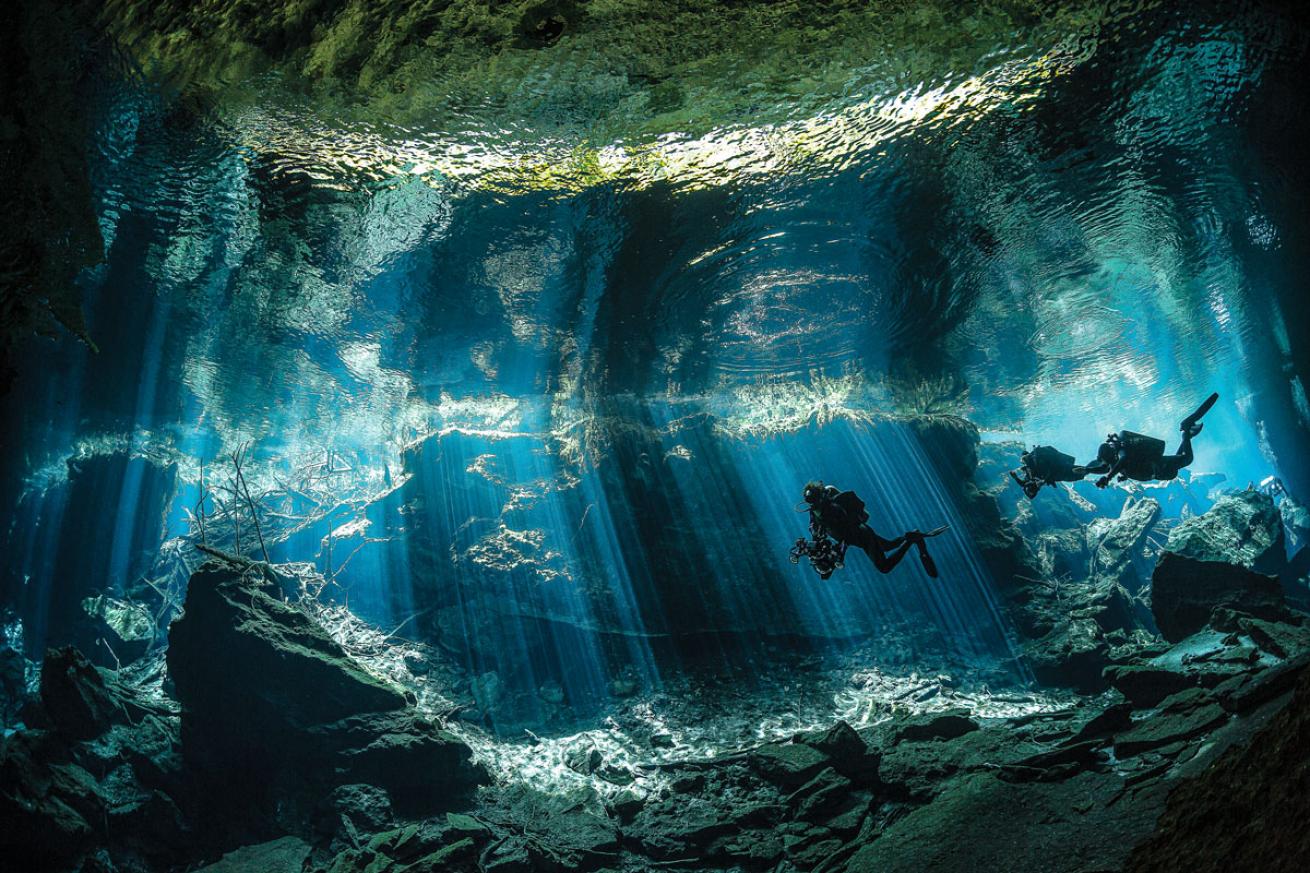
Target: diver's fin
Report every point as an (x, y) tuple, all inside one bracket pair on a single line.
[(1191, 420), (929, 565)]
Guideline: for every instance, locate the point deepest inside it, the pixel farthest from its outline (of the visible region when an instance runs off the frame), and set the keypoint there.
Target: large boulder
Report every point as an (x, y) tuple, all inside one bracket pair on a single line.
[(242, 658), (276, 712), (847, 751), (1074, 654), (1244, 529), (76, 697), (1185, 591), (1105, 602), (1116, 545), (100, 768), (788, 764)]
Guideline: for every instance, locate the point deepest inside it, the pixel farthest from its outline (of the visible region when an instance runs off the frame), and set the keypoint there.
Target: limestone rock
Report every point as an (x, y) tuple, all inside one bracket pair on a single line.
[(1168, 727), (1247, 811), (690, 826), (815, 798), (274, 711), (1146, 685), (788, 764), (1105, 602), (97, 772), (1059, 763), (933, 726), (1185, 591), (916, 771), (402, 752), (49, 806), (1074, 654), (1244, 529), (1116, 545), (240, 656), (1282, 638), (75, 696), (847, 751), (365, 808), (283, 855), (1246, 691)]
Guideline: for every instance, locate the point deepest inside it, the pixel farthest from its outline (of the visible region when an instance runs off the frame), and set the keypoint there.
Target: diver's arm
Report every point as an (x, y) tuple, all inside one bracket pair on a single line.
[(1110, 474)]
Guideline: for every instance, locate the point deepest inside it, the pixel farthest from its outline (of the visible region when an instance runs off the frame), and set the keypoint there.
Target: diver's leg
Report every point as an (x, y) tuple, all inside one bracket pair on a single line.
[(1169, 465), (886, 554), (887, 561), (1190, 423)]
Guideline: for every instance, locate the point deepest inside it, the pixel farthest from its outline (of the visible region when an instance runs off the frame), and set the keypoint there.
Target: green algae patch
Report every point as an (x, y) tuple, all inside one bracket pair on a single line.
[(564, 95)]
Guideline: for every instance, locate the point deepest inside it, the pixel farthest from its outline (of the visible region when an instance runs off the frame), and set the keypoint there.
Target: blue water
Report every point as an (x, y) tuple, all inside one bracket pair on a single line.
[(576, 417)]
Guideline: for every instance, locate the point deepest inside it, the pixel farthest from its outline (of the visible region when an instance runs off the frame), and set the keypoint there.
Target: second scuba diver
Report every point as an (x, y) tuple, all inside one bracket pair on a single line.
[(1126, 454)]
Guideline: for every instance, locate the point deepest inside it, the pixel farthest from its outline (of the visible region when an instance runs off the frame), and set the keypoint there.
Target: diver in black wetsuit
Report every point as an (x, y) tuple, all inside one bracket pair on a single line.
[(838, 520), (1045, 465), (1135, 456)]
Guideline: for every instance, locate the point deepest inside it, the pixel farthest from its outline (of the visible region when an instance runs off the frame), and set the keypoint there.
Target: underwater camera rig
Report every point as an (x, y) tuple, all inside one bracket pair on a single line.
[(826, 555)]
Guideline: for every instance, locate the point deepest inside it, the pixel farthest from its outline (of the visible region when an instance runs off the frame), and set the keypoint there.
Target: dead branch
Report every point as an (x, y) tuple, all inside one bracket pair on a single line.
[(237, 457)]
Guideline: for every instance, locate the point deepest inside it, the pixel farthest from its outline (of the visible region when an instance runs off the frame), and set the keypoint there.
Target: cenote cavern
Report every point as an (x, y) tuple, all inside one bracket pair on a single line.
[(643, 435)]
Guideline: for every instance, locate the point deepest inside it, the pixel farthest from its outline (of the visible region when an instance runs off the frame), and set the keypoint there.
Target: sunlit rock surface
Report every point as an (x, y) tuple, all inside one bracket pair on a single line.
[(1244, 529)]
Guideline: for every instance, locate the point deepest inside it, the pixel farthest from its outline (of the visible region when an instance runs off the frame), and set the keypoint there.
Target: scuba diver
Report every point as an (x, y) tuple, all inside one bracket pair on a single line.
[(838, 520), (1046, 465), (1135, 456)]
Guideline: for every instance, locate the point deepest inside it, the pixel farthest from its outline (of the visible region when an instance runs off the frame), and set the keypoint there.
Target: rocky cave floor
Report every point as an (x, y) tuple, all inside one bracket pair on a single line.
[(1168, 732)]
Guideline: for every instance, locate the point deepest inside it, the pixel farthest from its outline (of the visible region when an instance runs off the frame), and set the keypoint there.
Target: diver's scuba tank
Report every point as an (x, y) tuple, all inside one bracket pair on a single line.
[(1141, 447)]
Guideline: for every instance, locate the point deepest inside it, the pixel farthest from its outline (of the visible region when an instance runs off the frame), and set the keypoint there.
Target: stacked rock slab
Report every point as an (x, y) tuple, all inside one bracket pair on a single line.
[(275, 714), (1221, 559)]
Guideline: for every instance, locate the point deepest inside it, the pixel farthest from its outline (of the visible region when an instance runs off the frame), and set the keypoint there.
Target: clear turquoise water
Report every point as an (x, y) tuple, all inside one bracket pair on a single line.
[(607, 388)]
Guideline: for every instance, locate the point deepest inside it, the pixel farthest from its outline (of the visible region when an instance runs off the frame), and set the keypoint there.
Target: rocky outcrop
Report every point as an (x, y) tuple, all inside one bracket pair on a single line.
[(1185, 591), (1084, 801), (276, 713), (1220, 560), (101, 764), (1116, 545), (1244, 529), (1074, 654), (282, 741), (1247, 811)]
